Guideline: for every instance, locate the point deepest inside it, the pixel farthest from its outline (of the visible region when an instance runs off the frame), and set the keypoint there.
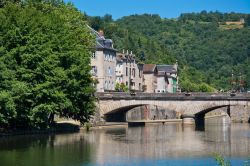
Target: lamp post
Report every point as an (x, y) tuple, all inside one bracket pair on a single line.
[(129, 76), (232, 81)]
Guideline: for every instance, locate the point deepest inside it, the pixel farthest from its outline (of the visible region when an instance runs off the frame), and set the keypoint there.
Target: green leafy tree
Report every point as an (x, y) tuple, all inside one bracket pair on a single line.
[(44, 63)]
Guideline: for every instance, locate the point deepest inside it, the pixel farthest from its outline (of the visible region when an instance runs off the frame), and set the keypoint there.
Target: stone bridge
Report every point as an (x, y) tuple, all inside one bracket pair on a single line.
[(187, 106)]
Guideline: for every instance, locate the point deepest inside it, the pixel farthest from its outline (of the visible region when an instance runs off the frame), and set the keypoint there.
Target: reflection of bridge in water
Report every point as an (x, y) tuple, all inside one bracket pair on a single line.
[(192, 107)]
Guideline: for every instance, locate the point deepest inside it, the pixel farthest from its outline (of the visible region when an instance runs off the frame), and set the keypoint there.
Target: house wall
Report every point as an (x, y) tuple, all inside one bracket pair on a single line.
[(172, 86), (123, 76), (150, 82), (161, 85), (105, 63)]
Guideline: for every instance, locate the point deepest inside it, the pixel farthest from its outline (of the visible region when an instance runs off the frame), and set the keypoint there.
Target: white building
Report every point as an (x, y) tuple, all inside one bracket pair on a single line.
[(172, 77), (161, 82), (103, 63)]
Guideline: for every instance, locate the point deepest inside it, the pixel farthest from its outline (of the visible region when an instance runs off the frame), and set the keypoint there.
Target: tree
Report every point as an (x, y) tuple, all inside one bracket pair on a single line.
[(44, 63), (247, 21), (4, 2), (107, 18)]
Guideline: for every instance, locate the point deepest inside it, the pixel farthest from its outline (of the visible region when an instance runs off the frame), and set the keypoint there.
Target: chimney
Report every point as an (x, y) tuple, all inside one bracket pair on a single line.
[(123, 51), (127, 52)]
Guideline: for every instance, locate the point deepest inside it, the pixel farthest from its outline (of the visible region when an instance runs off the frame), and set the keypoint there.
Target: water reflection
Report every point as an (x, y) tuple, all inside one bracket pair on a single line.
[(156, 144), (44, 150)]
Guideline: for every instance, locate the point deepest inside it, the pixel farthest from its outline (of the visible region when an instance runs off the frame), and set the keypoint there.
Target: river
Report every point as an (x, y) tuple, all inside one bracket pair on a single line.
[(154, 144)]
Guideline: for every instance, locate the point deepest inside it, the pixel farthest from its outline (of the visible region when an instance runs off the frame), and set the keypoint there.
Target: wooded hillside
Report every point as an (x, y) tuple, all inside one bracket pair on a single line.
[(206, 48)]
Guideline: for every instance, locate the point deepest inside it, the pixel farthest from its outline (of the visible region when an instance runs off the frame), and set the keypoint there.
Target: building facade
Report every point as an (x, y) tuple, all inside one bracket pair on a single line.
[(162, 82), (103, 63), (171, 75), (150, 78), (129, 72)]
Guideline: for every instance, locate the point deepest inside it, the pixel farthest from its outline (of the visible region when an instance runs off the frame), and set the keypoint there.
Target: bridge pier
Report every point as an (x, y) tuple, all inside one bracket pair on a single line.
[(200, 120), (188, 119)]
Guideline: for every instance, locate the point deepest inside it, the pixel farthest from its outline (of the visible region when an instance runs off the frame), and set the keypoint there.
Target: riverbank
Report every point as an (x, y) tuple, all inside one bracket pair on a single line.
[(69, 127), (61, 127)]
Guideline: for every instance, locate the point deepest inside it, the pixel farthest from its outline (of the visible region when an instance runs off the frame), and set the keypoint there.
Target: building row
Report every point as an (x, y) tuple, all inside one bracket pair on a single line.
[(114, 71)]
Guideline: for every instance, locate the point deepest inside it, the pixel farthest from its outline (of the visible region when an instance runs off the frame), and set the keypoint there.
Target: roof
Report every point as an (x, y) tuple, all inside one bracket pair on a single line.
[(123, 57), (149, 68), (101, 42), (167, 68)]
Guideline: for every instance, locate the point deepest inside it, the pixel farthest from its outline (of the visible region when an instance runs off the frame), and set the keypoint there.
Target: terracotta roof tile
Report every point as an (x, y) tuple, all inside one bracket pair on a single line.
[(149, 68)]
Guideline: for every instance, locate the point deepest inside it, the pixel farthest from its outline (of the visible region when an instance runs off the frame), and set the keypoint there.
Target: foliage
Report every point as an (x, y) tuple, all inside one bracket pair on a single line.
[(221, 161), (44, 64), (206, 52), (7, 108), (121, 87), (87, 126)]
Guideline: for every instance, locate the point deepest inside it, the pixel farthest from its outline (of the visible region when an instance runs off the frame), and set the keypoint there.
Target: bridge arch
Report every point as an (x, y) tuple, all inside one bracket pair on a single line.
[(119, 114), (197, 106), (200, 116)]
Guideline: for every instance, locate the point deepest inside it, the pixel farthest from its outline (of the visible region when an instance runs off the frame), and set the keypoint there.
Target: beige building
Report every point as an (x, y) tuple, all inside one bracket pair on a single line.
[(103, 63), (128, 71), (160, 78), (150, 77)]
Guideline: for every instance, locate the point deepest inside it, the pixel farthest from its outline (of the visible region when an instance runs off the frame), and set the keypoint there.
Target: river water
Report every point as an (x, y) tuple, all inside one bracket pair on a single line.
[(154, 144)]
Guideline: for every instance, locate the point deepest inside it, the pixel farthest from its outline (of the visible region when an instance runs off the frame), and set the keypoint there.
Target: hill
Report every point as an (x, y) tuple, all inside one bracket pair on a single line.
[(207, 53)]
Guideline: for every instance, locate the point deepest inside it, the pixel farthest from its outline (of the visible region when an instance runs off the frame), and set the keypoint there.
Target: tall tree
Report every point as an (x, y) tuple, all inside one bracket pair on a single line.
[(44, 64)]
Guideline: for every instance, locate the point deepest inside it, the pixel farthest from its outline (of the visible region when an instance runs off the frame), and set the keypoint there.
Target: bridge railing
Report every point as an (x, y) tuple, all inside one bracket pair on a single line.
[(156, 95)]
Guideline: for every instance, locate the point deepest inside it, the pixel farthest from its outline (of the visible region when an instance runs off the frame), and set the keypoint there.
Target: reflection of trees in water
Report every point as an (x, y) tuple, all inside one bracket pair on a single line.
[(46, 150), (172, 140), (154, 141)]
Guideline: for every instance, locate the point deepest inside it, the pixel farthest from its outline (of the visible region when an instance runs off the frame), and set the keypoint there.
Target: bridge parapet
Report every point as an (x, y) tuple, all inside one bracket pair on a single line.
[(170, 96)]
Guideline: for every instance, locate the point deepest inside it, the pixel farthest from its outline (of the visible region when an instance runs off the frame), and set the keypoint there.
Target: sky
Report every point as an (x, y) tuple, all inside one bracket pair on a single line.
[(165, 8)]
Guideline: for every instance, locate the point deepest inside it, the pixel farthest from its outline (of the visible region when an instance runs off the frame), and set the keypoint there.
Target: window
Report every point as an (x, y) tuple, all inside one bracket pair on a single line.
[(93, 71), (139, 73), (93, 55), (133, 72), (126, 83), (109, 72), (126, 71), (105, 85)]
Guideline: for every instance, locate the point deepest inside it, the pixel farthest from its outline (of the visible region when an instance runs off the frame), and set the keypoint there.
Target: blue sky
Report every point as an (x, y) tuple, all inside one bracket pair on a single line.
[(165, 8)]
